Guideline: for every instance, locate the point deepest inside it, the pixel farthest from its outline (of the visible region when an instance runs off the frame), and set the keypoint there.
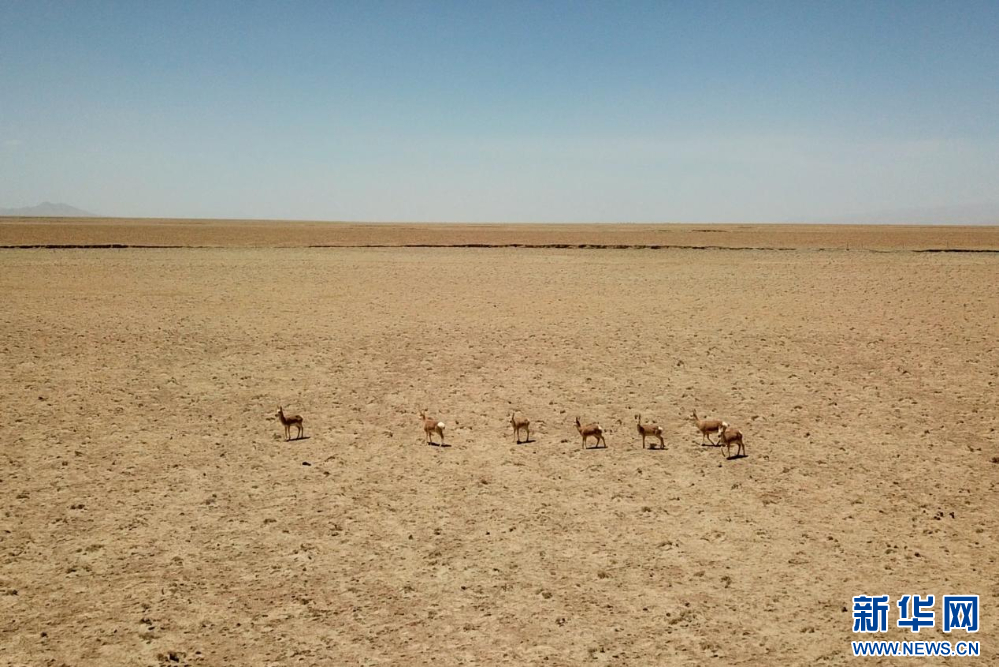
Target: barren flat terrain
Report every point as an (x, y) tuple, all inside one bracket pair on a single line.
[(30, 232), (152, 513)]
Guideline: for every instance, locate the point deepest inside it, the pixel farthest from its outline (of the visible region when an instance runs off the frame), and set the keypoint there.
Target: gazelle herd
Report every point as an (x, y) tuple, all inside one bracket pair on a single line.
[(727, 435)]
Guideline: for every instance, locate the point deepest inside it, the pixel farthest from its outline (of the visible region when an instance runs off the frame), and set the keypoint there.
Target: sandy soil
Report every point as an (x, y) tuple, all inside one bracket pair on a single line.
[(151, 512)]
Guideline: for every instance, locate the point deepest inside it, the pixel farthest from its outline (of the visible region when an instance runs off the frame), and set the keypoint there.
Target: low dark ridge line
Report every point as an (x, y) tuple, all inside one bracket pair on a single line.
[(98, 246), (562, 246), (527, 246), (955, 250)]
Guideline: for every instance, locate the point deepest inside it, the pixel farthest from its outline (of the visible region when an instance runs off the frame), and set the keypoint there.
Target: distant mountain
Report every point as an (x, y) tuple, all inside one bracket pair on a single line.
[(48, 210)]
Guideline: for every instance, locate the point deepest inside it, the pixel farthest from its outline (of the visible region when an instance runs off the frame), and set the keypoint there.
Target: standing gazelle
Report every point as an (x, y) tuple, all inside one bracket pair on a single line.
[(288, 422), (431, 426), (647, 430), (727, 436), (591, 431), (706, 427), (518, 424)]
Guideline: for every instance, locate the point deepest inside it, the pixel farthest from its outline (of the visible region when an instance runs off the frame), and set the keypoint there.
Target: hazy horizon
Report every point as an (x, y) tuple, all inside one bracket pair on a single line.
[(504, 112)]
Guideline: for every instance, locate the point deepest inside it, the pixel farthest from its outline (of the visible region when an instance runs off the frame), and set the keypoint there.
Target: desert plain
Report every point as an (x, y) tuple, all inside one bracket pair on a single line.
[(152, 513)]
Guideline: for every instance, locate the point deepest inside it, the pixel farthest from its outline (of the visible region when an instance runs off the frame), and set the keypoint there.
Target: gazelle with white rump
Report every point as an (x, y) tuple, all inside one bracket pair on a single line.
[(431, 426), (650, 430), (288, 421), (727, 436), (706, 427), (518, 424), (590, 431)]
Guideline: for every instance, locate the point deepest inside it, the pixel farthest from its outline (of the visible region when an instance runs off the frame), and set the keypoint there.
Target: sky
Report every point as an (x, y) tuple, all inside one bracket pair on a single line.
[(504, 111)]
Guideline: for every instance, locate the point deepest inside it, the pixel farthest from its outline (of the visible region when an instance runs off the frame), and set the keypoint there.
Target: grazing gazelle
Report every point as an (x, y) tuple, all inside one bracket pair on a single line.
[(706, 426), (431, 426), (520, 423), (288, 422), (647, 430), (591, 431), (728, 435)]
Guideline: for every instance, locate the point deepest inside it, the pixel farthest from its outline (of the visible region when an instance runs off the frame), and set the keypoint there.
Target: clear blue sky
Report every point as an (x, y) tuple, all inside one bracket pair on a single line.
[(505, 111)]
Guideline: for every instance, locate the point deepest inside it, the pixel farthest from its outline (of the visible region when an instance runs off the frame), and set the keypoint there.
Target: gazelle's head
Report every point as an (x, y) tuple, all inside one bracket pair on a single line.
[(724, 426), (577, 422)]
